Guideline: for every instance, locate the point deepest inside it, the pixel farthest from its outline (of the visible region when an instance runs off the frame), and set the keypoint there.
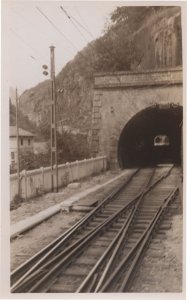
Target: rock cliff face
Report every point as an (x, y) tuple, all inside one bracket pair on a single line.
[(24, 121), (158, 44), (160, 40)]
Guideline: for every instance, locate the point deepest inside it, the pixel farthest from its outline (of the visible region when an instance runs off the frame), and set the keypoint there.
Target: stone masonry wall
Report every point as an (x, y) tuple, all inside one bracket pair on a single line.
[(119, 96)]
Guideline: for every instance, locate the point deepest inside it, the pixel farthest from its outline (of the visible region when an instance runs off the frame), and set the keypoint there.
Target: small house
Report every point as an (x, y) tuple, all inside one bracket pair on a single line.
[(26, 140)]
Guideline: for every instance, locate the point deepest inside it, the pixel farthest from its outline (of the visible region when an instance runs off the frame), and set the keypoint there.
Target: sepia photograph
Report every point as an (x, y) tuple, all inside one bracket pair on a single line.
[(95, 148)]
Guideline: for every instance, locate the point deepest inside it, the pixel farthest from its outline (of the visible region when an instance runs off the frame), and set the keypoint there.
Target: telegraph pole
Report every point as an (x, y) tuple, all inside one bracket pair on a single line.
[(54, 160), (17, 140)]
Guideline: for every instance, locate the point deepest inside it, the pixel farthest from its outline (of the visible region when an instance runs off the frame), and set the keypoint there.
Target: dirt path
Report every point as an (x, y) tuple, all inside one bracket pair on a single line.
[(33, 206), (32, 241)]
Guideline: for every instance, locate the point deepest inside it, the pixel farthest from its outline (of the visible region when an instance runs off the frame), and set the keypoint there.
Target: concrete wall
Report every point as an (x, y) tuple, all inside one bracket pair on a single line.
[(120, 96), (37, 182)]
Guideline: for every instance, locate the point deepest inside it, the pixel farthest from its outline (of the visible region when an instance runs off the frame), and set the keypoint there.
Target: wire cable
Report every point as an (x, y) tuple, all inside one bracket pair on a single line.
[(72, 17), (28, 45), (28, 22), (32, 25), (56, 28), (73, 22), (23, 41), (102, 44)]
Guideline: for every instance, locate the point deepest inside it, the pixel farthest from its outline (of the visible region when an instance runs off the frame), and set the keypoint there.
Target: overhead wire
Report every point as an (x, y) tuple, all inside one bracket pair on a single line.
[(59, 31), (83, 21), (23, 41), (83, 27), (56, 28), (79, 31), (102, 44), (74, 24), (70, 18), (20, 38), (28, 22), (73, 21)]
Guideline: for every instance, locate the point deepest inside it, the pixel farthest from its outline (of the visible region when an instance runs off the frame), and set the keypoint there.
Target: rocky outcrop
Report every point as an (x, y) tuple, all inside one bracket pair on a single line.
[(158, 42)]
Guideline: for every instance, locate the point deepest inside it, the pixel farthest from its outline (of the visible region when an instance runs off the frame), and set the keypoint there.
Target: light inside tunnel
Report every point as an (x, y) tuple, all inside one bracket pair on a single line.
[(161, 140), (137, 146)]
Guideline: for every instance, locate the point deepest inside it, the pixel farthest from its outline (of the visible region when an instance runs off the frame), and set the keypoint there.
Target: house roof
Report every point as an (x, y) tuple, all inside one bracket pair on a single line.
[(22, 132)]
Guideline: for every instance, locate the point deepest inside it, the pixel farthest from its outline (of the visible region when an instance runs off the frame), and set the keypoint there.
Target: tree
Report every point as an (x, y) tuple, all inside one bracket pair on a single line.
[(31, 161), (71, 147)]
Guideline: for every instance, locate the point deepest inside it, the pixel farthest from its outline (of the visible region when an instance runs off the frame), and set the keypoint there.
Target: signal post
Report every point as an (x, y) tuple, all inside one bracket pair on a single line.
[(54, 160)]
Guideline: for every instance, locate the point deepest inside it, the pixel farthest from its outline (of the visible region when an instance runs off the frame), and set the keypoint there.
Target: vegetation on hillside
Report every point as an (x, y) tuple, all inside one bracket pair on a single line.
[(123, 47), (24, 121)]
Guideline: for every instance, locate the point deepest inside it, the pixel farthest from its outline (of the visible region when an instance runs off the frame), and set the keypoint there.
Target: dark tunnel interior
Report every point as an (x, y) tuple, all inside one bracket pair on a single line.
[(138, 141)]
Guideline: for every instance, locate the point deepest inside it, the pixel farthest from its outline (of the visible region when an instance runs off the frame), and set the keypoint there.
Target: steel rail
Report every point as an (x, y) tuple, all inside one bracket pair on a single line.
[(72, 247), (138, 243), (146, 239), (112, 259), (93, 282), (41, 256), (23, 267), (118, 239), (72, 250), (103, 257), (68, 255)]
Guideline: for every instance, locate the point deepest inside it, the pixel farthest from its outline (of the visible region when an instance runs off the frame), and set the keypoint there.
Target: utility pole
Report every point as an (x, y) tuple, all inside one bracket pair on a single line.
[(54, 160), (17, 140)]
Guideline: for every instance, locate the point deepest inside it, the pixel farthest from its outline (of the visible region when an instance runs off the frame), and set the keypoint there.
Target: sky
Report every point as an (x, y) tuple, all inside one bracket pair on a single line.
[(27, 35)]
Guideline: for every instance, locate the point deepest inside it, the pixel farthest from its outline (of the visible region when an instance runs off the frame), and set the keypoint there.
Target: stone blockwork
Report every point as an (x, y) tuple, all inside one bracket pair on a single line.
[(120, 96), (96, 122)]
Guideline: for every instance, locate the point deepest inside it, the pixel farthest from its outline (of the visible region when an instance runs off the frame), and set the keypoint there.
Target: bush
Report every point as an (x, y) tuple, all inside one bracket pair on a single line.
[(16, 202), (70, 148)]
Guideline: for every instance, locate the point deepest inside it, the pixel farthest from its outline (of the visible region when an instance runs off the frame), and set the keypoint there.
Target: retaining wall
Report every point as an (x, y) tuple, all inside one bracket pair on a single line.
[(37, 182)]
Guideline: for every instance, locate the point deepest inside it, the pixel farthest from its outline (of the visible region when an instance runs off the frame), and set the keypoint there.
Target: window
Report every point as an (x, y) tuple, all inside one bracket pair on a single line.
[(12, 155), (21, 142), (29, 142)]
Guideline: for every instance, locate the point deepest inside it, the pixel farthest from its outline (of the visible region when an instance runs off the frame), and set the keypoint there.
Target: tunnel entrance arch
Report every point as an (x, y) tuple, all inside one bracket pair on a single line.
[(136, 146), (118, 97)]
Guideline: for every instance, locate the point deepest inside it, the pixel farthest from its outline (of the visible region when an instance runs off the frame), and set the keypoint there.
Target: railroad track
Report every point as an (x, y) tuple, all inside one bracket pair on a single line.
[(100, 253)]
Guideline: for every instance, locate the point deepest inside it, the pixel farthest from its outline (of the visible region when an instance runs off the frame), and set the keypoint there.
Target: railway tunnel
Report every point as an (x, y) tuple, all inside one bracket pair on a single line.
[(152, 136), (132, 122)]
